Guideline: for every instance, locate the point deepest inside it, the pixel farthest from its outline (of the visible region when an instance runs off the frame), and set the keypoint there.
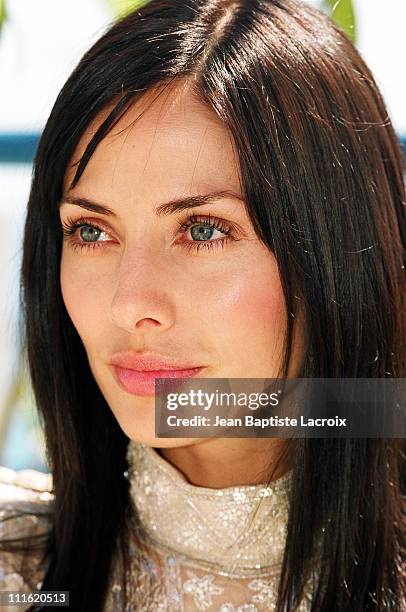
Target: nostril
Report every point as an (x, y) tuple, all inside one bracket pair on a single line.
[(147, 321)]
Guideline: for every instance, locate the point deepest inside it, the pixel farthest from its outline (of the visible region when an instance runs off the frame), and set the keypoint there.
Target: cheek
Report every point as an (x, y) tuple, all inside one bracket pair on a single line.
[(83, 297), (249, 304), (248, 323)]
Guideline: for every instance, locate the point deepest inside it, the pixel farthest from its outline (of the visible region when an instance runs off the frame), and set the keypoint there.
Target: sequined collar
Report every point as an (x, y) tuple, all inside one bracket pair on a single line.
[(238, 529)]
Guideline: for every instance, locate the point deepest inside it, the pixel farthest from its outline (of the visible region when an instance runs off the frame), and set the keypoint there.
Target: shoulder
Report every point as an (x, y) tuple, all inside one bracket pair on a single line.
[(26, 510)]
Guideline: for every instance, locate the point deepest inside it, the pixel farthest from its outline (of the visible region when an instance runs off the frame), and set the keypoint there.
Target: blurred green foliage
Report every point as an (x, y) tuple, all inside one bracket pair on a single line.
[(2, 12), (122, 7), (342, 12)]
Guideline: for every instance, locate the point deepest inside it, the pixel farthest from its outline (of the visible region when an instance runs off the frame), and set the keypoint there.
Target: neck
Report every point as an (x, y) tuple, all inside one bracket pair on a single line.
[(224, 462)]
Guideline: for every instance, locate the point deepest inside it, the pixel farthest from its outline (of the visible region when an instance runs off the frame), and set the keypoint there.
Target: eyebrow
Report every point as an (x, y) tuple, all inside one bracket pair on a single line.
[(162, 210)]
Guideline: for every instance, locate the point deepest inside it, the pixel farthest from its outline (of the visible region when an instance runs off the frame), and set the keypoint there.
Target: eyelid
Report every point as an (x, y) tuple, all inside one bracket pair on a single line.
[(214, 222), (233, 228), (186, 220), (81, 218), (95, 222)]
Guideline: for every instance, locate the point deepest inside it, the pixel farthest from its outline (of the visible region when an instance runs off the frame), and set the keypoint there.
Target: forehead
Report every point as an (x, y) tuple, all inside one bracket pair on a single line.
[(168, 138)]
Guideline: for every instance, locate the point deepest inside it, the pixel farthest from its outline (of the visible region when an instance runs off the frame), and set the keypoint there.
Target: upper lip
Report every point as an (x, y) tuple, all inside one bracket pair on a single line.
[(148, 362)]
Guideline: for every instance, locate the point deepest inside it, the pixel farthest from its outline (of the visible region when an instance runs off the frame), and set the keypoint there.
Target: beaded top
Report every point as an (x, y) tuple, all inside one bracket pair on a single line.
[(190, 548), (206, 549), (237, 530)]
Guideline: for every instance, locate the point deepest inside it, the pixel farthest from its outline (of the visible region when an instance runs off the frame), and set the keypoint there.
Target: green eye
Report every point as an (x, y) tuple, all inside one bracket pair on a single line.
[(200, 232), (88, 233)]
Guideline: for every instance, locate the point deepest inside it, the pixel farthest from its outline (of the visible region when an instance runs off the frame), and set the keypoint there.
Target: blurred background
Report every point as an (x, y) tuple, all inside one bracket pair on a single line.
[(40, 44)]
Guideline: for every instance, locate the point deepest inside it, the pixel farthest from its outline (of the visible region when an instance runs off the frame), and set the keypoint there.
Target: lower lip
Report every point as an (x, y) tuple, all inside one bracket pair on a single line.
[(143, 383)]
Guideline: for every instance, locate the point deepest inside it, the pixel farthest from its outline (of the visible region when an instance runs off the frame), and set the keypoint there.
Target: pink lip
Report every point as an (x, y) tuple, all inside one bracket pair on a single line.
[(139, 382), (136, 373)]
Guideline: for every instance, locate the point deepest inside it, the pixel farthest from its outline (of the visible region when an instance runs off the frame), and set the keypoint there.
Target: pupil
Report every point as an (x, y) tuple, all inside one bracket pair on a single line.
[(200, 232), (89, 234)]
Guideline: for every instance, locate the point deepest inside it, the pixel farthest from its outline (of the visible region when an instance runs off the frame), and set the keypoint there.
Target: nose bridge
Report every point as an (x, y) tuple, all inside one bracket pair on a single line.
[(141, 293)]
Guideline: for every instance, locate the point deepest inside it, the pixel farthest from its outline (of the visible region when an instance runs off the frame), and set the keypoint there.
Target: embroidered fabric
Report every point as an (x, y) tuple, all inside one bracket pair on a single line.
[(206, 549), (197, 548), (23, 493)]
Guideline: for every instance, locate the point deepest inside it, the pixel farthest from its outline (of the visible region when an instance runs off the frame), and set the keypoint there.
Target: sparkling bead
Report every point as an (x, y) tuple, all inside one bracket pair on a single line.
[(239, 495)]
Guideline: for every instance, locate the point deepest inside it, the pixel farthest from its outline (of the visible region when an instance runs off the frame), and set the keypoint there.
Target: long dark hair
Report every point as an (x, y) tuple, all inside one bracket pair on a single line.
[(322, 173)]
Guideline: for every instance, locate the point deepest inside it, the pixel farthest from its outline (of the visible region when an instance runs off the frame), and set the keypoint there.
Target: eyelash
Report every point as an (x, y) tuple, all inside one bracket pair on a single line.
[(70, 226)]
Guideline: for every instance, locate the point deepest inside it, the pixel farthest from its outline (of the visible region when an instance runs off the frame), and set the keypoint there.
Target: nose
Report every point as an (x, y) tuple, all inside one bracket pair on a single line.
[(141, 300)]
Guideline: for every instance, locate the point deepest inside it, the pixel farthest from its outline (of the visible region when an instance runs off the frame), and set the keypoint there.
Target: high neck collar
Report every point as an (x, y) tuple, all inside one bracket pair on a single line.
[(235, 530)]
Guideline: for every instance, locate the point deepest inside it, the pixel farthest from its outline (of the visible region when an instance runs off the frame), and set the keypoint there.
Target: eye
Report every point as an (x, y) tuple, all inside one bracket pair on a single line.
[(201, 232), (91, 235), (201, 229), (196, 231)]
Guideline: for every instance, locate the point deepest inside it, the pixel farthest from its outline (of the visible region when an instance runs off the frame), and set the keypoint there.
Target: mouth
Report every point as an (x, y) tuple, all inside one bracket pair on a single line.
[(142, 382)]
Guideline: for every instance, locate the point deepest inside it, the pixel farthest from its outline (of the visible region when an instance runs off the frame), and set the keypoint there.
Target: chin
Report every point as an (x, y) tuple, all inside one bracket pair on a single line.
[(155, 442)]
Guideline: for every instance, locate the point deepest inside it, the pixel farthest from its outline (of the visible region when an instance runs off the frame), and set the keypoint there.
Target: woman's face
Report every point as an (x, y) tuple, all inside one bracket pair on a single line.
[(200, 291)]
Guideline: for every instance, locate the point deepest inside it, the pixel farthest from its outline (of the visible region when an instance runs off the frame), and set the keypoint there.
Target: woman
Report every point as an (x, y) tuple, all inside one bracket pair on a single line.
[(189, 126)]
